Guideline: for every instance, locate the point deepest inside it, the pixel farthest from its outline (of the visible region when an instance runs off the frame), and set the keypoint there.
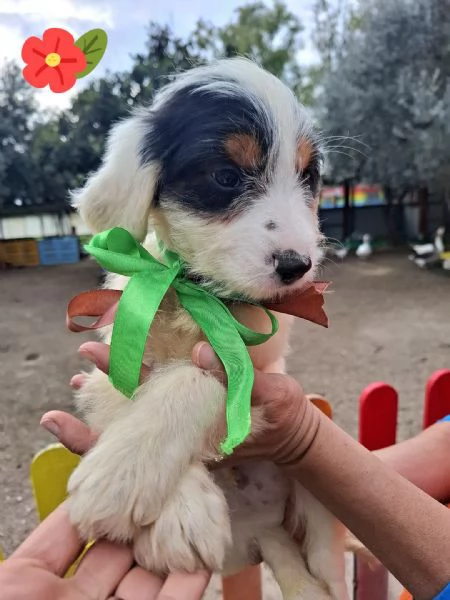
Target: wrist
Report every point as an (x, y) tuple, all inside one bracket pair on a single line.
[(300, 439)]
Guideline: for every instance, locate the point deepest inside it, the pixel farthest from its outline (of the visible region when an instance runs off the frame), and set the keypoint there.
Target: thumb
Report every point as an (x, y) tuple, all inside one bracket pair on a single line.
[(264, 385), (204, 357), (98, 353)]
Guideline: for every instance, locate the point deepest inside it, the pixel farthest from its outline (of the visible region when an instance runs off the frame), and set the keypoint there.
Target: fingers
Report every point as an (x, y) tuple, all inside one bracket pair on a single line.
[(276, 392), (71, 432), (184, 586), (139, 584), (54, 544), (204, 357), (265, 385), (102, 568), (98, 353), (77, 381)]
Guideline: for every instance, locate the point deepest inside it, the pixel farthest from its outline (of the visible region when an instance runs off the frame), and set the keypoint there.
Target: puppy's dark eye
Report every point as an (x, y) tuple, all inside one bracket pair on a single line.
[(310, 177), (306, 176), (226, 178)]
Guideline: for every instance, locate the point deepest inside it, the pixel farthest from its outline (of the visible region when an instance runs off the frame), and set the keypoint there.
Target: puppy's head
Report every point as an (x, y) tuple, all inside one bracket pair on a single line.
[(225, 167)]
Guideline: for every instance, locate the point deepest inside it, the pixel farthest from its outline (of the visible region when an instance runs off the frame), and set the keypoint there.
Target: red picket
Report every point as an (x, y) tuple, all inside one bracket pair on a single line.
[(378, 407), (436, 406), (437, 397)]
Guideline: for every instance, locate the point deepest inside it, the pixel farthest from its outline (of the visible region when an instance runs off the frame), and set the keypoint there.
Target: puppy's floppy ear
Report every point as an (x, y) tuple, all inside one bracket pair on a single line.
[(121, 192)]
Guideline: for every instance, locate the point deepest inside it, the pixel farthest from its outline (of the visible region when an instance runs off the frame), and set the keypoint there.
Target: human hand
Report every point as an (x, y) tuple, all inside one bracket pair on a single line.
[(37, 567), (292, 421)]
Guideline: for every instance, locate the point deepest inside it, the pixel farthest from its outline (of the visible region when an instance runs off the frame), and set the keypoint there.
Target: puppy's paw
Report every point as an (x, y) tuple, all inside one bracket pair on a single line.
[(352, 544), (310, 594), (108, 498), (192, 531)]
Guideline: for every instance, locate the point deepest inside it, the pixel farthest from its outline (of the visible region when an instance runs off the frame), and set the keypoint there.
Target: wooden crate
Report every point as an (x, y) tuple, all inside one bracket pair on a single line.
[(59, 250), (19, 253)]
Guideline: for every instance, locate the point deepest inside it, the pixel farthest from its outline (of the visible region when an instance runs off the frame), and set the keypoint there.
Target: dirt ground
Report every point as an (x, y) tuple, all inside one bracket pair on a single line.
[(389, 321)]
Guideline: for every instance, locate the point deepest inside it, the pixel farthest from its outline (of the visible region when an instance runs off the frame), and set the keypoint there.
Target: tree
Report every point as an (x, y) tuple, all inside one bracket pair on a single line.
[(390, 86), (69, 146), (270, 35), (166, 54), (332, 19), (17, 115)]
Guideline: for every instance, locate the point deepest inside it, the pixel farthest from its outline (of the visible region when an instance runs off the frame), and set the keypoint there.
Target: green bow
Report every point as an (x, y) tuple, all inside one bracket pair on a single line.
[(116, 250)]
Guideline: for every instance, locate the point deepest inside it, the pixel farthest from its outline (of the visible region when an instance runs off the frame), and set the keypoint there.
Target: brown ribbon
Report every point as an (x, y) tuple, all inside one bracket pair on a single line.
[(307, 304), (94, 303)]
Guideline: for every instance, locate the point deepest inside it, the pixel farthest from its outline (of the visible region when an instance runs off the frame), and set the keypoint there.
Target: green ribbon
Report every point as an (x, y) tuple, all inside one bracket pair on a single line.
[(118, 251)]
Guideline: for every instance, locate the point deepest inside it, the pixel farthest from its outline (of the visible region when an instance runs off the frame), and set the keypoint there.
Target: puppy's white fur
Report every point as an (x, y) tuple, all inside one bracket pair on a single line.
[(145, 480)]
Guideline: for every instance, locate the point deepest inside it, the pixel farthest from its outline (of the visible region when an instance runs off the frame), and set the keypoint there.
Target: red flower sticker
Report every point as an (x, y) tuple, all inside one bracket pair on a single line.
[(55, 60)]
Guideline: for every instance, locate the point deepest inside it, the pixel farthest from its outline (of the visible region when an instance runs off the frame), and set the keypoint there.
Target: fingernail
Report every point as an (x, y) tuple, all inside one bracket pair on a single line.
[(206, 358), (86, 354), (51, 427), (77, 381)]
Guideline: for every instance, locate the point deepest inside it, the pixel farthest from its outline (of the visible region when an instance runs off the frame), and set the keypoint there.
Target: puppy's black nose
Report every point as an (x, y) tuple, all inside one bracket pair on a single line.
[(290, 265)]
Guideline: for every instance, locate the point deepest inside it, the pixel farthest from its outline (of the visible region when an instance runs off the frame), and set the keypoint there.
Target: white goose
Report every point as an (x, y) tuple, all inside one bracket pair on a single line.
[(341, 252), (364, 250), (427, 254)]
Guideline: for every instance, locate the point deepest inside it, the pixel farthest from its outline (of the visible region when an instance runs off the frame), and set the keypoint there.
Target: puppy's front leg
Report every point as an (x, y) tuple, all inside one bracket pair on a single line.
[(148, 458)]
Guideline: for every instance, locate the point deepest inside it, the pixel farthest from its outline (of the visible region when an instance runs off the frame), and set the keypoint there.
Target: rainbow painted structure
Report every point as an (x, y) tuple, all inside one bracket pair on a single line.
[(363, 195)]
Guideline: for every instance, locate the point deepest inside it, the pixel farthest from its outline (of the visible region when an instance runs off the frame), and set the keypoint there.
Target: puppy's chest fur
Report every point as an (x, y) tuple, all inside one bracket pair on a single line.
[(173, 333), (257, 492)]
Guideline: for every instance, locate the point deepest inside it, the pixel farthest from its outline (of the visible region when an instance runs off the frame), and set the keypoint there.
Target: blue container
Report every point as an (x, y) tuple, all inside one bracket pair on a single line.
[(59, 250)]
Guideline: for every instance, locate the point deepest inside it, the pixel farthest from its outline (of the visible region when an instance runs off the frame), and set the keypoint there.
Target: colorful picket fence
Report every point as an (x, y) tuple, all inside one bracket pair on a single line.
[(378, 410)]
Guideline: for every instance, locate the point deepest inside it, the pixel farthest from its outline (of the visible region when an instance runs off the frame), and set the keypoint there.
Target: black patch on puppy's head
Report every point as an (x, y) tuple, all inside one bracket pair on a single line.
[(212, 144)]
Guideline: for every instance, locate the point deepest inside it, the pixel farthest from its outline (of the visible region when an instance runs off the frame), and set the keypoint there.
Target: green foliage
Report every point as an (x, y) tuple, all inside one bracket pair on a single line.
[(326, 33), (271, 35), (332, 22), (17, 113), (389, 88), (165, 55), (68, 147)]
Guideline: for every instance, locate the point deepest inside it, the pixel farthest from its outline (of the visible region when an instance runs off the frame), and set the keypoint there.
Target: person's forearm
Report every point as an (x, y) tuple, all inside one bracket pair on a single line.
[(424, 460), (405, 528)]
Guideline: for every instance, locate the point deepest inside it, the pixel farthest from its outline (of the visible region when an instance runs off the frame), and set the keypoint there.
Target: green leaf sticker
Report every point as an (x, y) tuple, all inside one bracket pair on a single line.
[(93, 44)]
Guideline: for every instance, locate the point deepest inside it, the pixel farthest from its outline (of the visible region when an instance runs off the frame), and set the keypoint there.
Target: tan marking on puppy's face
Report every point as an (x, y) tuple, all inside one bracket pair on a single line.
[(243, 149), (305, 151)]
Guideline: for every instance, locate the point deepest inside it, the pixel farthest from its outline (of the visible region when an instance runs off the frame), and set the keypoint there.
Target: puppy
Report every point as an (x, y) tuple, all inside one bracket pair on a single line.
[(224, 167)]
